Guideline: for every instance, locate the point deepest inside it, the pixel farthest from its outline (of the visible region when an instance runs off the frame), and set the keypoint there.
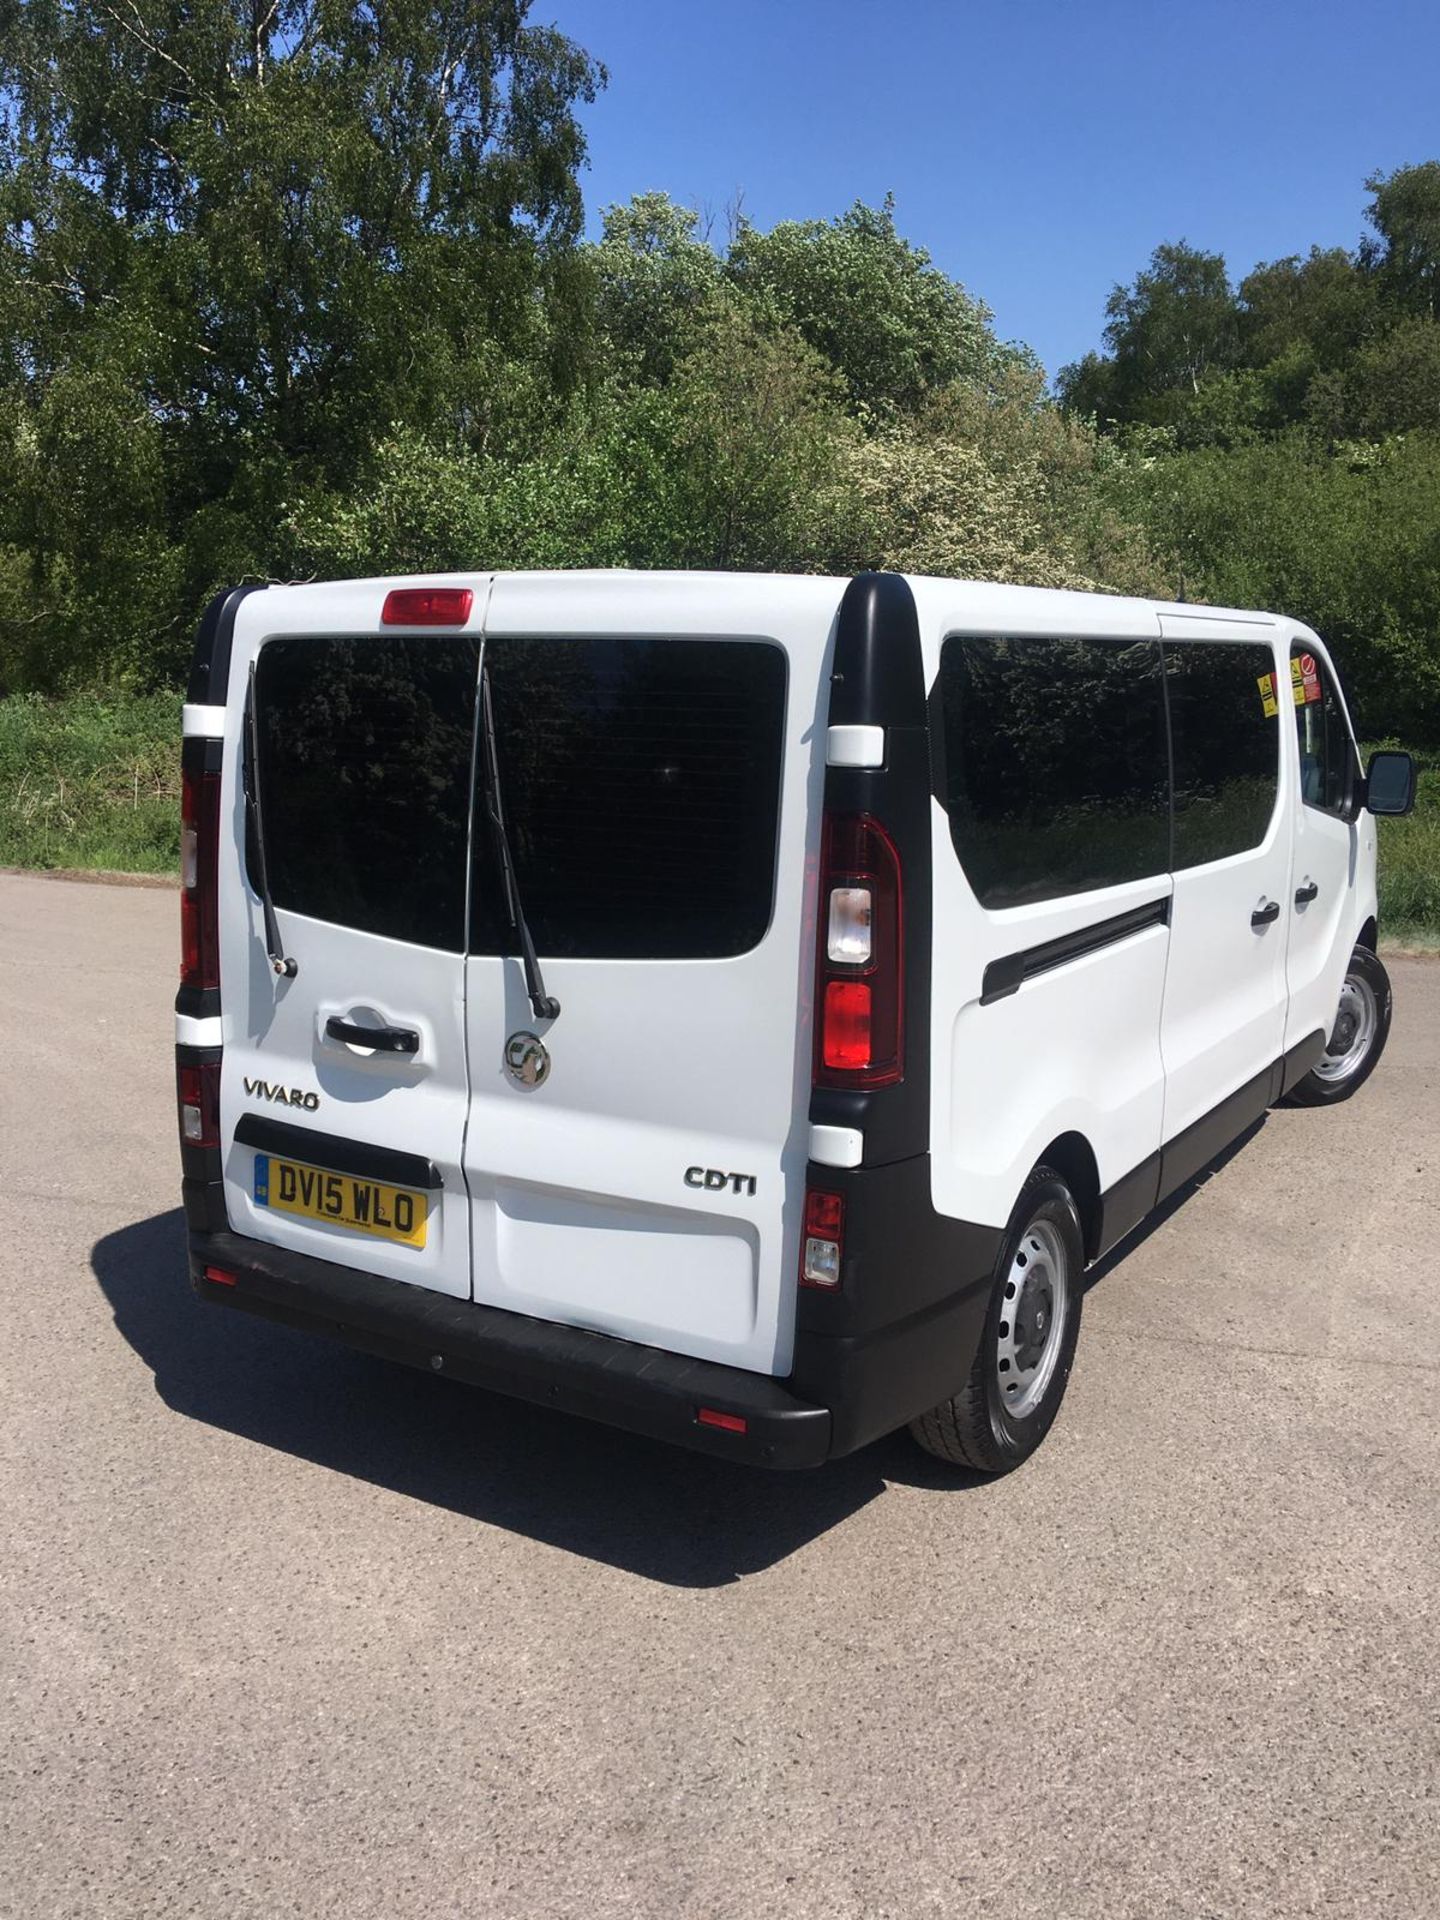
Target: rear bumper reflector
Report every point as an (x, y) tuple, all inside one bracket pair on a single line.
[(642, 1389)]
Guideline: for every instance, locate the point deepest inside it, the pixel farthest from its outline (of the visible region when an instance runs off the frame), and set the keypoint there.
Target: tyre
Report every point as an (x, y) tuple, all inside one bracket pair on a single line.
[(1357, 1040), (1018, 1379)]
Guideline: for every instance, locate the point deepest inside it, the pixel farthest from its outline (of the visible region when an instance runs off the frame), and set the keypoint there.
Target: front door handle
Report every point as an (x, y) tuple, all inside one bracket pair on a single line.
[(1266, 914), (382, 1039), (1304, 895)]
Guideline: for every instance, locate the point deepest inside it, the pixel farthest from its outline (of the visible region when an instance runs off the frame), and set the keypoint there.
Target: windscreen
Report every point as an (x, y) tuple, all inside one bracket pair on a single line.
[(640, 781)]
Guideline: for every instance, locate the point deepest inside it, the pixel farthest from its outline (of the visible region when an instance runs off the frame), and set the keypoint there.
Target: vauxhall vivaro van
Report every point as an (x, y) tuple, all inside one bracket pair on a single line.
[(737, 1007)]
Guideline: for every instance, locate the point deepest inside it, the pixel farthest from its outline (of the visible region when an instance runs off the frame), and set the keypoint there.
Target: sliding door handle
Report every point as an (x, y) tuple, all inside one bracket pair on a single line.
[(1304, 895), (1266, 914), (382, 1039)]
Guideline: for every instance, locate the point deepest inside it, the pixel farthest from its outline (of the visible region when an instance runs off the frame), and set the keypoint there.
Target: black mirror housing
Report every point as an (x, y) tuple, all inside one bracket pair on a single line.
[(1390, 783)]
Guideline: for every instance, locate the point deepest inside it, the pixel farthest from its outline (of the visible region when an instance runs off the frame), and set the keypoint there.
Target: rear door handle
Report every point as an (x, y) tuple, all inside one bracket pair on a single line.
[(1304, 895), (382, 1039), (1266, 914)]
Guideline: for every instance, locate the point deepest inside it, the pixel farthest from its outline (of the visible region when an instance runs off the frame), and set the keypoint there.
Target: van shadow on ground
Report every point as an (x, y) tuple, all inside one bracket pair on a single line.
[(654, 1510)]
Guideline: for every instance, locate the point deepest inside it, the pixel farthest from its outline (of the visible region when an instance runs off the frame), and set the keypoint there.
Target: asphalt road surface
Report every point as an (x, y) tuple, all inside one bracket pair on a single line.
[(287, 1631)]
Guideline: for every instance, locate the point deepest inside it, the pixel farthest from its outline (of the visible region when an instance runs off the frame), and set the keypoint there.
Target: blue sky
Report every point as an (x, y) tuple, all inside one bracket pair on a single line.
[(1039, 150)]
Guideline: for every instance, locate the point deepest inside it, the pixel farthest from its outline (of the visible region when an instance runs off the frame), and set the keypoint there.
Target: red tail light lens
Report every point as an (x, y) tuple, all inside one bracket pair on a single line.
[(198, 1095), (427, 607), (824, 1239), (199, 879), (860, 1035)]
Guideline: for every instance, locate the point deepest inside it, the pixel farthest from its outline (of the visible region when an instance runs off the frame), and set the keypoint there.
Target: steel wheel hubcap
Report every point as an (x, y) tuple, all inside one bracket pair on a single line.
[(1353, 1032), (1032, 1318)]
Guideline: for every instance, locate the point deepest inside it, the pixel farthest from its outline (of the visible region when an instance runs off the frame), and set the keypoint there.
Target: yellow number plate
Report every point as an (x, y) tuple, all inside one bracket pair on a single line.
[(390, 1213)]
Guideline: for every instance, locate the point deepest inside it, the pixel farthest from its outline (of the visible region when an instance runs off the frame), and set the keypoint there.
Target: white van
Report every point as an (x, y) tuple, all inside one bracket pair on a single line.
[(738, 1008)]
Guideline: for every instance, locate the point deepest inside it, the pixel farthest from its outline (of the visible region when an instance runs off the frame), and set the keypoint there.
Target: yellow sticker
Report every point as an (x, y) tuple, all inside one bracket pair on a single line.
[(1297, 683), (1266, 684)]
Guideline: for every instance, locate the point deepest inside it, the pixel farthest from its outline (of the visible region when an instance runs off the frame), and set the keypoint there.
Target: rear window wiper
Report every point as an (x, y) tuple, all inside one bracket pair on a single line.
[(250, 764), (544, 1007)]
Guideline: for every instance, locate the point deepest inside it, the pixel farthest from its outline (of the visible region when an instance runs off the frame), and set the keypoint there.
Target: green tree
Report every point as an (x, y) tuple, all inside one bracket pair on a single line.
[(1166, 333), (1403, 252), (657, 283), (256, 236), (891, 323)]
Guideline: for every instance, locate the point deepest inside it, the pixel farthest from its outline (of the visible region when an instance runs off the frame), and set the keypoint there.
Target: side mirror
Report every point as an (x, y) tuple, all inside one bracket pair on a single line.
[(1390, 783)]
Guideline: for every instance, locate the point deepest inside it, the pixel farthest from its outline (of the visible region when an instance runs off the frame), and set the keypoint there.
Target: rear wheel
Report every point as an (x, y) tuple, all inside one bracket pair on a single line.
[(1357, 1040), (1013, 1393)]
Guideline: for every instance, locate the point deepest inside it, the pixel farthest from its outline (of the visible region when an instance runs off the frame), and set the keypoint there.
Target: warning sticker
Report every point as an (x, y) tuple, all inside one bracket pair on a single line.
[(1266, 684), (1297, 682), (1305, 672)]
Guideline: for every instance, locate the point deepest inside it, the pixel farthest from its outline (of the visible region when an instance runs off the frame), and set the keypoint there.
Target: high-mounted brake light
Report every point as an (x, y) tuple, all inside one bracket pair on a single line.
[(427, 607), (860, 1029), (199, 879), (824, 1239)]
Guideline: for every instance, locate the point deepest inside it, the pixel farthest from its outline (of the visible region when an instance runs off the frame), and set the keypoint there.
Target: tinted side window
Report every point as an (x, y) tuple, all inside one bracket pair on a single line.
[(641, 784), (365, 750), (1055, 775), (1225, 736), (1326, 755)]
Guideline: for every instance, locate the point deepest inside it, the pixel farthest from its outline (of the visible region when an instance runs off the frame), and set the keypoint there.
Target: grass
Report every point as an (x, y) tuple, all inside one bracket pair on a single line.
[(91, 782), (94, 783)]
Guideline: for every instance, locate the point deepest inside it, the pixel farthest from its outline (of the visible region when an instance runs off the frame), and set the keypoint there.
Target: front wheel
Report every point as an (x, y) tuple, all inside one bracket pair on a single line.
[(1357, 1040), (1013, 1393)]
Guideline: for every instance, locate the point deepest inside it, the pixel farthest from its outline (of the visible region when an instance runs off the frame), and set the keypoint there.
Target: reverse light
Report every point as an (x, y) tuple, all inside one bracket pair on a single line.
[(848, 937), (860, 1028), (824, 1239), (427, 607)]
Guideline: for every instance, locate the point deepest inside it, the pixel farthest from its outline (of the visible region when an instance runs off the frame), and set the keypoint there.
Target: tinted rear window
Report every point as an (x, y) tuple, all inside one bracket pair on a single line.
[(641, 782), (365, 750), (1225, 732), (1055, 774)]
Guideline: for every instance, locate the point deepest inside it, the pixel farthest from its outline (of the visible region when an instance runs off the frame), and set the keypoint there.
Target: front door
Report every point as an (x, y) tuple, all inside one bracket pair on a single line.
[(1224, 1009), (1321, 907)]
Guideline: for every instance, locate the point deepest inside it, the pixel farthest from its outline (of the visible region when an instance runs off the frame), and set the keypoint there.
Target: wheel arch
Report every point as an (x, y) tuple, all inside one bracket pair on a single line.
[(1073, 1158), (1369, 935)]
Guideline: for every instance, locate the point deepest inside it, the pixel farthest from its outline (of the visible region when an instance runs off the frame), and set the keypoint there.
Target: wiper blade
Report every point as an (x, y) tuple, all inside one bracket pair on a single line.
[(250, 764), (543, 1006)]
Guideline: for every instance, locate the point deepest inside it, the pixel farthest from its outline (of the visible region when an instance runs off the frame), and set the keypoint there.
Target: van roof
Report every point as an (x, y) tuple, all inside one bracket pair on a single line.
[(975, 604)]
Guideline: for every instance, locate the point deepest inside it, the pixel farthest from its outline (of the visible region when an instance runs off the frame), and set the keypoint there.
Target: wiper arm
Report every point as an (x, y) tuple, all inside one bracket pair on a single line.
[(281, 964), (544, 1007)]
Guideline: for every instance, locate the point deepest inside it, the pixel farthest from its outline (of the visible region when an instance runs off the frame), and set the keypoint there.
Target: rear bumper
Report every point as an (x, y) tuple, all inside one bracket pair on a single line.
[(614, 1381)]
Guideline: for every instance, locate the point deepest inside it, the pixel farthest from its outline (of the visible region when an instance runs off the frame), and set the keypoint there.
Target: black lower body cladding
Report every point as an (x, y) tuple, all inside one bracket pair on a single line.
[(895, 1341)]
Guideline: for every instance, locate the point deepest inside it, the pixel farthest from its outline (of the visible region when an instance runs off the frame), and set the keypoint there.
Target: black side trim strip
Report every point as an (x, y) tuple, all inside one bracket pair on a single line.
[(340, 1156), (1184, 1156), (1005, 976), (1299, 1059)]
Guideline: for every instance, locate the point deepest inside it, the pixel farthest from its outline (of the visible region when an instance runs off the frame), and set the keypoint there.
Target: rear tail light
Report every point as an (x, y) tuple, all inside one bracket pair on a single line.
[(199, 879), (860, 1033), (824, 1239), (198, 1095), (427, 607), (221, 1276)]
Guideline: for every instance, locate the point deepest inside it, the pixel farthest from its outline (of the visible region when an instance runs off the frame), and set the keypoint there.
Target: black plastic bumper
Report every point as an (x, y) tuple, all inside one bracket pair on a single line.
[(614, 1381)]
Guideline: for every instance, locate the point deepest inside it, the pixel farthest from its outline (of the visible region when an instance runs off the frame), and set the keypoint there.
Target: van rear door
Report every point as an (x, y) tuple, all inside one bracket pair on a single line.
[(344, 1088), (656, 744)]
